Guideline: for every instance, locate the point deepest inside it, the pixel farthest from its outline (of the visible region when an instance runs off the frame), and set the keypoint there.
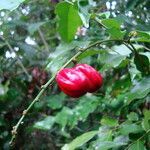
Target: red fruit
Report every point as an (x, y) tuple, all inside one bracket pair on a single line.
[(79, 80)]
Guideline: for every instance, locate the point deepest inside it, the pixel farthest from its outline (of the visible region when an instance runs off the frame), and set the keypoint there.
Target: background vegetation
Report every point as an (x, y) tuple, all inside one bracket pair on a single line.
[(37, 37)]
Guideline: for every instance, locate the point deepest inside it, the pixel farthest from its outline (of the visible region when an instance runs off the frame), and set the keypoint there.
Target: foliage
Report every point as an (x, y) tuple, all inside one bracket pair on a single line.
[(38, 37)]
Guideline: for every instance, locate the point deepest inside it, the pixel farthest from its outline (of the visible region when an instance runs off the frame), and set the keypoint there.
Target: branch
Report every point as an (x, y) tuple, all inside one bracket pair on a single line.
[(128, 47), (18, 59), (146, 48), (133, 47), (43, 39), (99, 21), (43, 87)]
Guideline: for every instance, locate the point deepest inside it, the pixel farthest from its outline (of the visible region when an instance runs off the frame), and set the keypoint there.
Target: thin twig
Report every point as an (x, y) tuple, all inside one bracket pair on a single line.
[(146, 48), (128, 46), (43, 88), (18, 59), (132, 46), (43, 39), (99, 21)]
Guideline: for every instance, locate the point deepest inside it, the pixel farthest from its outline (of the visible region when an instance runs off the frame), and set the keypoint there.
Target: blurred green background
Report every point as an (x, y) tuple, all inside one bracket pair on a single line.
[(38, 36)]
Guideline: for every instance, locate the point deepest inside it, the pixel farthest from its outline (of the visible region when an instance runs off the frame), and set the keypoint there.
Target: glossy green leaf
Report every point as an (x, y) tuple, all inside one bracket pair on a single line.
[(62, 54), (45, 124), (146, 54), (116, 33), (80, 112), (111, 60), (69, 20), (109, 121), (122, 50), (132, 116), (133, 71), (105, 145), (56, 101), (113, 28), (121, 140), (80, 140), (142, 63), (138, 145), (146, 120), (63, 116), (104, 134), (84, 14), (90, 53), (140, 90), (125, 129), (142, 36), (111, 23), (10, 4)]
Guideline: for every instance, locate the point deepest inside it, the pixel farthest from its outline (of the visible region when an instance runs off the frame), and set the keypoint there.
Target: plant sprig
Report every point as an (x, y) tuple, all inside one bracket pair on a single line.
[(44, 87)]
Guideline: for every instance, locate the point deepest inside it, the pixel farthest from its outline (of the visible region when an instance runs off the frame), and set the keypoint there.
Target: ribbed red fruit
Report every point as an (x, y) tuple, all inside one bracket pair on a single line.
[(79, 80)]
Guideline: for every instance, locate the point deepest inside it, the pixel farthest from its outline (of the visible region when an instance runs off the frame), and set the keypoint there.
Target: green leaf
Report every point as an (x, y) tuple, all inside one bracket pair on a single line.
[(104, 141), (84, 14), (125, 129), (104, 134), (90, 53), (69, 20), (10, 4), (140, 90), (105, 145), (63, 117), (109, 121), (146, 120), (116, 33), (132, 116), (122, 50), (111, 60), (142, 63), (111, 23), (113, 28), (121, 140), (138, 145), (146, 54), (62, 54), (80, 140), (45, 124), (133, 71), (142, 36), (56, 101), (81, 111)]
